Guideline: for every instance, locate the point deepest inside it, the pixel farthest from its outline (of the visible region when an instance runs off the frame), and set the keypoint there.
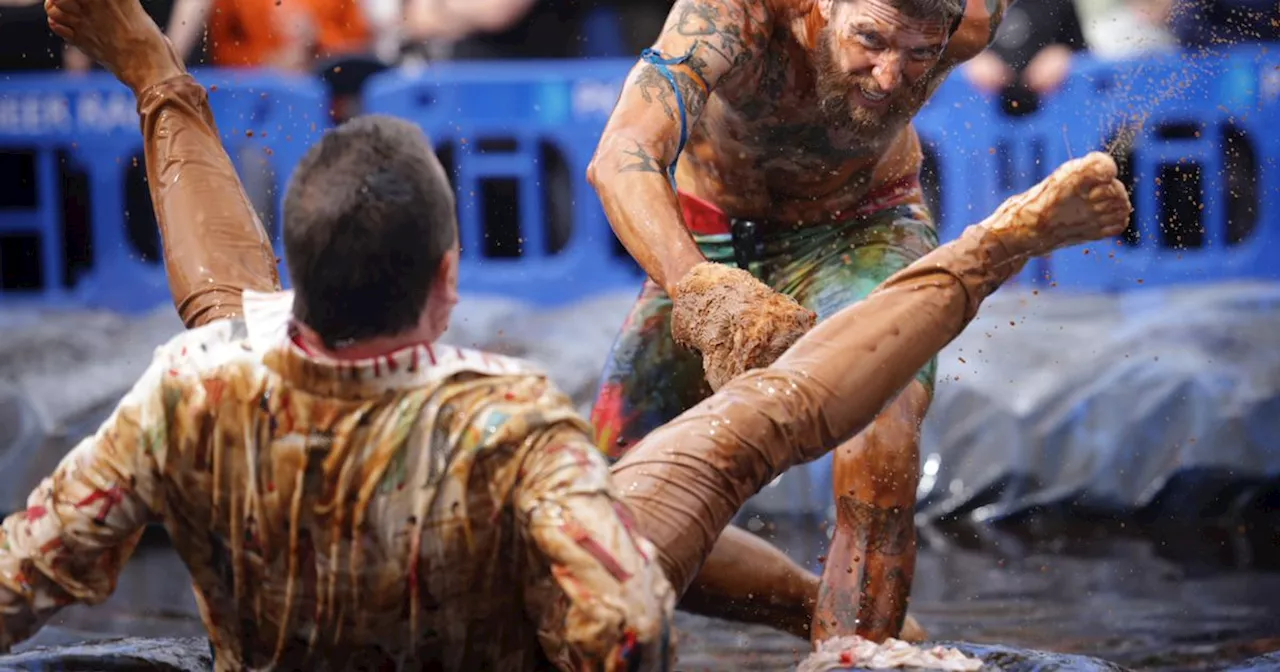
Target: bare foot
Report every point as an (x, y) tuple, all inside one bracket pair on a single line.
[(1079, 202), (118, 34)]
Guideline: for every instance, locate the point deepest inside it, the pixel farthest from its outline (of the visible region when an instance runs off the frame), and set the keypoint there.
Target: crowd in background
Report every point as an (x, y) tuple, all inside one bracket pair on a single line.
[(1031, 55)]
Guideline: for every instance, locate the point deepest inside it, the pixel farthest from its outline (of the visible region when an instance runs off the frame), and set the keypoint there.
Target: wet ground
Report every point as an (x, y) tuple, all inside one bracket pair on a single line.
[(1156, 599)]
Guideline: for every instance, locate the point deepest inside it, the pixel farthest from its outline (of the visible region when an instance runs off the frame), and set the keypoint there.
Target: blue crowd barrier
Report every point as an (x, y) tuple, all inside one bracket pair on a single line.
[(1196, 118), (980, 156), (474, 107), (1187, 112), (93, 117)]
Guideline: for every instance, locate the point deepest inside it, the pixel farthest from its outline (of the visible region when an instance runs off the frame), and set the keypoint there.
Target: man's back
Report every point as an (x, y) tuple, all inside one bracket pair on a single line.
[(355, 515)]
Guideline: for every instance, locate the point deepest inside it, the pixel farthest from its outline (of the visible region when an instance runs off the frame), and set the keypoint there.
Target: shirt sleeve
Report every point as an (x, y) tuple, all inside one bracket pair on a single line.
[(82, 523), (615, 605)]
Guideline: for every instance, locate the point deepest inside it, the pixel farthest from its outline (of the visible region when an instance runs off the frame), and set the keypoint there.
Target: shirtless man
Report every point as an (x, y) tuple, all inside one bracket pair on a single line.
[(800, 164), (348, 495)]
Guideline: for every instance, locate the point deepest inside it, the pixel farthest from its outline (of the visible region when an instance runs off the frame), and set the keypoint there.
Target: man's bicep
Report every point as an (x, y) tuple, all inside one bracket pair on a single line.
[(702, 45)]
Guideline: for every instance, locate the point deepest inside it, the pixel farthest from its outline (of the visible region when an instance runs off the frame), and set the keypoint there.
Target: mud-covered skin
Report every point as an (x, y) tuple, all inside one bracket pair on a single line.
[(763, 146), (736, 321), (774, 136)]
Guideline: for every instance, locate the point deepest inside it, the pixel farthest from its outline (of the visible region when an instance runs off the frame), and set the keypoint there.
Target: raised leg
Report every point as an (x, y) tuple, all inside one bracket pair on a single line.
[(214, 245), (686, 480)]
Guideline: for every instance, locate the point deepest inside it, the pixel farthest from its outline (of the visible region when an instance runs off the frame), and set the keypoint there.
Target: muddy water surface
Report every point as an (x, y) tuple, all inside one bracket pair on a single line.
[(1167, 599)]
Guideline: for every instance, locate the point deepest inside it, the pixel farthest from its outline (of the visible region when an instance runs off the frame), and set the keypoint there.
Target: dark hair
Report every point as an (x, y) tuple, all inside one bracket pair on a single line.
[(368, 217)]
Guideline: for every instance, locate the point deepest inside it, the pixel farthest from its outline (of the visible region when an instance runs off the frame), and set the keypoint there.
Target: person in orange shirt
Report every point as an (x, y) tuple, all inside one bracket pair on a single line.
[(285, 34)]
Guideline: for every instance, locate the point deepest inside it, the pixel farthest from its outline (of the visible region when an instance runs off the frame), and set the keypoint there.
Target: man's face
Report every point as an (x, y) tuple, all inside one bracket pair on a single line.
[(872, 61)]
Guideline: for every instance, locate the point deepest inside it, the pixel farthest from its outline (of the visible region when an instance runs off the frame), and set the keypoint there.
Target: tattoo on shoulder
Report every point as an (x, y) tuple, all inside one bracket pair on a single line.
[(718, 27), (654, 88), (640, 161)]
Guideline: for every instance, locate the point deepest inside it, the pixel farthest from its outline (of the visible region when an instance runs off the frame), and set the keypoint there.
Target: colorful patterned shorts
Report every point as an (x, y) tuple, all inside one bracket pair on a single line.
[(649, 380)]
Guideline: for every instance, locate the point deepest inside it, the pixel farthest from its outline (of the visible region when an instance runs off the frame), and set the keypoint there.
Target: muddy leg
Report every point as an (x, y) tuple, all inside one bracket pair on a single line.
[(749, 580), (214, 245), (866, 581)]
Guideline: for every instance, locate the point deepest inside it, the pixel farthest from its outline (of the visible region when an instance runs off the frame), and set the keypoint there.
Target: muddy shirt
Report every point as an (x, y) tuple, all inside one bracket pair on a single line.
[(437, 507)]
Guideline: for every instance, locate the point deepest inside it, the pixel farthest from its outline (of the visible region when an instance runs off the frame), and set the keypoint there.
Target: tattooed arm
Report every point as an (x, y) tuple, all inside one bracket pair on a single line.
[(640, 142)]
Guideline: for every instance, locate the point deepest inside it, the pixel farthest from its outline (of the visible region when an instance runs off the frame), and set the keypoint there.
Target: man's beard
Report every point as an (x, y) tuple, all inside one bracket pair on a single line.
[(835, 91)]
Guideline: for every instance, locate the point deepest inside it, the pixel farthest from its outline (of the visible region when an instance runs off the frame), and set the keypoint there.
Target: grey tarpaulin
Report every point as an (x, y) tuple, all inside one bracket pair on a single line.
[(132, 654), (1154, 402)]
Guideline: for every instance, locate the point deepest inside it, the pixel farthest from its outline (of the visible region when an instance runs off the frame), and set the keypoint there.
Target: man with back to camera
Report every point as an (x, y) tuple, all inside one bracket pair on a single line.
[(349, 495)]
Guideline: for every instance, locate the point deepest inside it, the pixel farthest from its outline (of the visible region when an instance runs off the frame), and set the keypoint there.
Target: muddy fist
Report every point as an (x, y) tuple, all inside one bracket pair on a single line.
[(735, 321), (1079, 202)]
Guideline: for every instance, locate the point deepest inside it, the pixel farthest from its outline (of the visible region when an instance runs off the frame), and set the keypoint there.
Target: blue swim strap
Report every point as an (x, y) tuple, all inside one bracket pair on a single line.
[(654, 57)]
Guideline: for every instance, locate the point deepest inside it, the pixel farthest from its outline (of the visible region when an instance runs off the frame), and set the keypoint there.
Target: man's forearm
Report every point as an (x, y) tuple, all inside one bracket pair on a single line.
[(643, 210), (214, 245)]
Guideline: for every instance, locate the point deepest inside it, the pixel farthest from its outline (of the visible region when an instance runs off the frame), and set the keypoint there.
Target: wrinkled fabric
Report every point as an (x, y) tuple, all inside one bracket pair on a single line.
[(649, 379)]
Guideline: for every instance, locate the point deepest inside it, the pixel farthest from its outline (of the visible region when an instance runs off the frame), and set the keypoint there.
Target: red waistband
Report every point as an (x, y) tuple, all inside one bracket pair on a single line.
[(705, 219)]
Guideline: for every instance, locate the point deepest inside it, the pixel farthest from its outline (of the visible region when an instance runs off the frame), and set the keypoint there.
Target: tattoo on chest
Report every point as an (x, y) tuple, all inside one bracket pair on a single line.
[(772, 86)]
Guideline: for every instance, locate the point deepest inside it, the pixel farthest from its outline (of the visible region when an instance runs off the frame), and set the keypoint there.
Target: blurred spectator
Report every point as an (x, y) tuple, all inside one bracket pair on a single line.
[(498, 29), (642, 22), (283, 34), (1200, 24), (1131, 28), (1031, 55)]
